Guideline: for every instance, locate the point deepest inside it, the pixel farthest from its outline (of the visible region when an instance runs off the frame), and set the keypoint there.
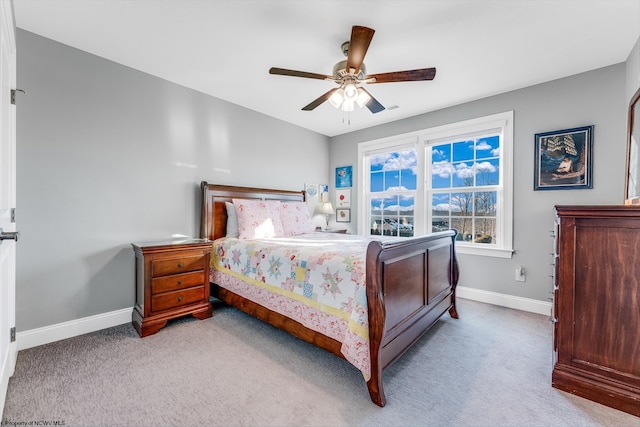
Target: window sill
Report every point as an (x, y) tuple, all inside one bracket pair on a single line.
[(490, 252)]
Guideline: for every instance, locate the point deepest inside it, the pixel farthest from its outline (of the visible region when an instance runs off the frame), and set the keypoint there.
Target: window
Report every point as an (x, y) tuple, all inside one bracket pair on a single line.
[(453, 176), (392, 190)]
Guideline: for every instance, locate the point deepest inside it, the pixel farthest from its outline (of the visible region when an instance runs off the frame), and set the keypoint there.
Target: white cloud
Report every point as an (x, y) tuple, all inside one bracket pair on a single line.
[(482, 145), (442, 207), (442, 169), (485, 167), (464, 170)]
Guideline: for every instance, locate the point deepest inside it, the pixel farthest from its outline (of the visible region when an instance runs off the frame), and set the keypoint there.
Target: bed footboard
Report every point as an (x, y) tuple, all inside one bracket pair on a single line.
[(411, 284)]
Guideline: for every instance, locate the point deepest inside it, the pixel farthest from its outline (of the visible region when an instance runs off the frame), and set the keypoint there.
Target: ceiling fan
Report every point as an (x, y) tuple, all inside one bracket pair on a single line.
[(349, 73)]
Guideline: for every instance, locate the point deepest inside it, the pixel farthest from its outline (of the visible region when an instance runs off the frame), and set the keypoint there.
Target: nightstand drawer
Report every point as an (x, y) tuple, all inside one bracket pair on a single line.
[(177, 265), (176, 282), (174, 299)]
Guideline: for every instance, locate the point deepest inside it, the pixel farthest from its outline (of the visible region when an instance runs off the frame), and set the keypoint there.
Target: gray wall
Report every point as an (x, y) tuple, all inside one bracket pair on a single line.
[(594, 98), (107, 155)]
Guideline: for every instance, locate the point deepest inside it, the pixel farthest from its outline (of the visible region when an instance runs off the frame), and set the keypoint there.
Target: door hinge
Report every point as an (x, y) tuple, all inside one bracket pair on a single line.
[(13, 214), (13, 95), (12, 332)]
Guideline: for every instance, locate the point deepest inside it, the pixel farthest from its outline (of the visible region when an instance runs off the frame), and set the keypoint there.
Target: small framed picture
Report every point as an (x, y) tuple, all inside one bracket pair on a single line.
[(343, 198), (343, 215), (564, 159), (344, 178)]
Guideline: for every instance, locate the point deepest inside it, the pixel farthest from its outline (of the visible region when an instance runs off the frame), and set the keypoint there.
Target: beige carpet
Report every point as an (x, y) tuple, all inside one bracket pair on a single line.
[(491, 367)]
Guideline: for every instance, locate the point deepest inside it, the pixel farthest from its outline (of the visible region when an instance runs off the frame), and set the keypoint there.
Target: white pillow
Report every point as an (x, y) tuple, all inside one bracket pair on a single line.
[(258, 219), (295, 218), (232, 221)]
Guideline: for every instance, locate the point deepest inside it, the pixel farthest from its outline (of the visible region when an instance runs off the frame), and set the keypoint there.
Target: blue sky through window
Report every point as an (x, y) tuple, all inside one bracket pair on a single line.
[(466, 163)]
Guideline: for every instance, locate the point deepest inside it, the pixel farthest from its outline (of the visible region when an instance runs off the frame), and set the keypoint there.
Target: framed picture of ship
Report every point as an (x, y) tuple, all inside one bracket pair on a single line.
[(564, 159)]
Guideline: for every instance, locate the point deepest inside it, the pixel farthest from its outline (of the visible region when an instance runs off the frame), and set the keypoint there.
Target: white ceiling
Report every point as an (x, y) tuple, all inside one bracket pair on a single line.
[(225, 48)]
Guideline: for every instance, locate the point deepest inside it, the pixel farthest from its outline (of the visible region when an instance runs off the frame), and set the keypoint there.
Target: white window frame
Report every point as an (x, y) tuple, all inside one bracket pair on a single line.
[(422, 212)]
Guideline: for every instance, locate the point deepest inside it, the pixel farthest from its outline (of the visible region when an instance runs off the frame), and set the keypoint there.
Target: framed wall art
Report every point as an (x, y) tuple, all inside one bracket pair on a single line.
[(564, 159), (343, 198), (344, 177), (343, 215)]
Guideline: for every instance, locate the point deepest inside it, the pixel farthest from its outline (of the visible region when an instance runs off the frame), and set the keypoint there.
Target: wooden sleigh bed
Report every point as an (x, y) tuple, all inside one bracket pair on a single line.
[(410, 284)]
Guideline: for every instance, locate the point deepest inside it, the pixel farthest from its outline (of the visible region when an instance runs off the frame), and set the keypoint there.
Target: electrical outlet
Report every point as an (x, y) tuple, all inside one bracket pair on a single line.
[(520, 274)]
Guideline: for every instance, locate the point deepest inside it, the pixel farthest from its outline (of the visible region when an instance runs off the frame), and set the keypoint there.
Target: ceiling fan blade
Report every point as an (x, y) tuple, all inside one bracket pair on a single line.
[(373, 105), (358, 45), (404, 76), (294, 73), (316, 102)]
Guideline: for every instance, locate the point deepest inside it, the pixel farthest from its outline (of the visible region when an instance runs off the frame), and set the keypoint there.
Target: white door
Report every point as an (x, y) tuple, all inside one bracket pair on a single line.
[(8, 347)]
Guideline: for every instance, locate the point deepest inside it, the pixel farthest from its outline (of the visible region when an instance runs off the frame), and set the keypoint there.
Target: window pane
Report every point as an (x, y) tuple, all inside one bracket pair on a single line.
[(463, 176), (408, 179), (441, 169), (377, 182), (488, 147), (405, 226), (439, 224), (377, 162), (464, 227), (441, 153), (441, 175), (376, 225), (440, 205), (488, 172), (485, 203), (463, 151), (408, 159), (462, 204), (392, 180), (485, 230), (376, 206), (390, 208)]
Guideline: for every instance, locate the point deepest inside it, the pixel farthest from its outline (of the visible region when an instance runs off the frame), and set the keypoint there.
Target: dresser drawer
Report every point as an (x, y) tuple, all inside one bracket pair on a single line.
[(175, 282), (175, 299), (177, 265)]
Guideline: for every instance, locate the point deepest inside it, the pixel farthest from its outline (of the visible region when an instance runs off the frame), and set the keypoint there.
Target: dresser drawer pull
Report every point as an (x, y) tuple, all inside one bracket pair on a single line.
[(179, 299), (179, 282), (180, 265)]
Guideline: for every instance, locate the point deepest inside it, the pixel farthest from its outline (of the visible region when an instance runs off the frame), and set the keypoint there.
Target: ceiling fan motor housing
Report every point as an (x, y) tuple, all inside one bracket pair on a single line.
[(340, 71)]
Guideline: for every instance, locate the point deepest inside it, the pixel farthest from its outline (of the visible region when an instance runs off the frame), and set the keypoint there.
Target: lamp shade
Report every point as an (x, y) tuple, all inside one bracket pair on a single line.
[(326, 208)]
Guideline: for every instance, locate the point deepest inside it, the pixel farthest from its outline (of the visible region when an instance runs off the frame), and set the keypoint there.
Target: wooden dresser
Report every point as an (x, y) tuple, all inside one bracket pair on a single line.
[(172, 280), (596, 309)]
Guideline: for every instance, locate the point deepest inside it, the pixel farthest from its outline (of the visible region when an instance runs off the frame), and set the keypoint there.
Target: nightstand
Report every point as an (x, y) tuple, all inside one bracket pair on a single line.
[(172, 280)]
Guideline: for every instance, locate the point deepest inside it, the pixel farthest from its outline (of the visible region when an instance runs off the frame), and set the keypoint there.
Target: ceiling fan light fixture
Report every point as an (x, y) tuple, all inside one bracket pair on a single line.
[(337, 98), (350, 92), (348, 105), (363, 97)]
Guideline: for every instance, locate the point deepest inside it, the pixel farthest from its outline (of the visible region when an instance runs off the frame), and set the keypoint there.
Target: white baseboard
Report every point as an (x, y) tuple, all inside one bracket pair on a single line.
[(72, 328), (504, 300)]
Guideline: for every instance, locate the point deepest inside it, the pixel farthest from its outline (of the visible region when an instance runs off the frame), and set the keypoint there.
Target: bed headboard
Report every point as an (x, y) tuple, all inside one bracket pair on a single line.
[(213, 219)]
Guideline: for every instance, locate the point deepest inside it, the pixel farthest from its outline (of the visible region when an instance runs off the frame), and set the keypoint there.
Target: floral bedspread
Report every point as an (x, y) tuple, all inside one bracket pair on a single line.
[(317, 279)]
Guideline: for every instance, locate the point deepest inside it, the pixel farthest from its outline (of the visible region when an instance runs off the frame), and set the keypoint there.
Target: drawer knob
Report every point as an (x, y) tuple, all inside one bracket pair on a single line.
[(179, 299), (179, 265), (179, 282)]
